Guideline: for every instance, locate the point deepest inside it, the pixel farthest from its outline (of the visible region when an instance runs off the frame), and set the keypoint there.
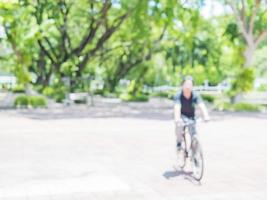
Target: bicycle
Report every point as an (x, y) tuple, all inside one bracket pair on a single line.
[(192, 150)]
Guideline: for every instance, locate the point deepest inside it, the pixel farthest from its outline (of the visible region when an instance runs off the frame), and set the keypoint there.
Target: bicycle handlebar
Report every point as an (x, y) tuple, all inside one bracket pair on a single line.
[(187, 121)]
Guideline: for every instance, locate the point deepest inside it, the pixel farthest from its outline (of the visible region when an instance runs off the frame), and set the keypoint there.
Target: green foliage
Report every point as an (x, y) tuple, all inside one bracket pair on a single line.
[(134, 93), (263, 88), (134, 98), (48, 91), (18, 89), (240, 107), (232, 32), (81, 101), (198, 73), (243, 82), (246, 107), (169, 94), (157, 43), (99, 92), (57, 92), (109, 94), (59, 97), (38, 101), (15, 18), (22, 101), (208, 98), (134, 88), (69, 68), (30, 101), (260, 61)]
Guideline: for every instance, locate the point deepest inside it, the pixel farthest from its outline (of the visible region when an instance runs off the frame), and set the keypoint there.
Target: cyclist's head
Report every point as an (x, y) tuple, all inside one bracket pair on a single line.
[(187, 83)]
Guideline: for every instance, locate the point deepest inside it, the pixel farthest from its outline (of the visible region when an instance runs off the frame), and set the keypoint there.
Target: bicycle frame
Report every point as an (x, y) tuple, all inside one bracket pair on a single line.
[(186, 132), (188, 140)]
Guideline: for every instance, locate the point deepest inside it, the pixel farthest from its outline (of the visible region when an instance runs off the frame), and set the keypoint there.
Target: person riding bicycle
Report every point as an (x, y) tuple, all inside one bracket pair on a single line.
[(185, 103)]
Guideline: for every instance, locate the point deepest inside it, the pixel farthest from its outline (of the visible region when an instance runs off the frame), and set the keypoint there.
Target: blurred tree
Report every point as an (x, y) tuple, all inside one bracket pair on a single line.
[(67, 33), (251, 20), (149, 42)]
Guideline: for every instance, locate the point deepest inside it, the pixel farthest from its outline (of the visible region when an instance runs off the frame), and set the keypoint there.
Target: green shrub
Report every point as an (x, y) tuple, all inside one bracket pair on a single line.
[(22, 101), (30, 101), (99, 92), (134, 93), (109, 94), (80, 101), (246, 107), (38, 88), (136, 98), (38, 101), (208, 98), (242, 83), (262, 88), (18, 89), (57, 92), (169, 94), (59, 97), (48, 91), (240, 107)]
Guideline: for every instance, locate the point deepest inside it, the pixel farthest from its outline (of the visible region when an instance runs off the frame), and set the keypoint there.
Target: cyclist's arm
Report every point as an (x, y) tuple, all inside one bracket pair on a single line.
[(204, 111), (177, 108), (177, 113)]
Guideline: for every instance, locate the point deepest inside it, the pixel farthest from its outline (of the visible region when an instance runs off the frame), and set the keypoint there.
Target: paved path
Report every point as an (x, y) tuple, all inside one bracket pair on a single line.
[(127, 158)]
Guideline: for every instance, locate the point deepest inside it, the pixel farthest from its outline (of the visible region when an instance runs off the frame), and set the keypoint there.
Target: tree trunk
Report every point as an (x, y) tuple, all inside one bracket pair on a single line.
[(248, 55), (248, 59), (111, 84)]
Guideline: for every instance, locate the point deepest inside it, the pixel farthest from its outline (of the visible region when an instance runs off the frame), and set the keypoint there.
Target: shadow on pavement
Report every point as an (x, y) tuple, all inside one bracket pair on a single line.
[(181, 173)]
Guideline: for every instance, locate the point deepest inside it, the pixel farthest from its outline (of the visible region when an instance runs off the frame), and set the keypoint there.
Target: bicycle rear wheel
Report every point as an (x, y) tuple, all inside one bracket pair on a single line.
[(197, 160)]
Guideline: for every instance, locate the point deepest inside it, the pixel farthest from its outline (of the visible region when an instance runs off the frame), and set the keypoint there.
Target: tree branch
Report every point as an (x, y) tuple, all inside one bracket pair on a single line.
[(108, 50), (46, 52), (242, 15), (102, 39), (252, 18), (65, 40), (240, 23), (262, 36), (94, 26), (51, 47)]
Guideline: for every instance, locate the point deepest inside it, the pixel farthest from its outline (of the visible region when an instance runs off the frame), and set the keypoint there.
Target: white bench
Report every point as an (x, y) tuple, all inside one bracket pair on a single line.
[(79, 96)]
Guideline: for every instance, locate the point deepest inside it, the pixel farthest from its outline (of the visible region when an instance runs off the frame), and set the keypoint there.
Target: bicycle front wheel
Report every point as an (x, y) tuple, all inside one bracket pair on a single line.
[(182, 154), (197, 160)]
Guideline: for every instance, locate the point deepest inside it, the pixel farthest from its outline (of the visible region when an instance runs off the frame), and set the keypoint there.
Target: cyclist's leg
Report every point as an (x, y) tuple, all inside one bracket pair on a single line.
[(179, 130), (192, 129), (179, 135), (193, 132)]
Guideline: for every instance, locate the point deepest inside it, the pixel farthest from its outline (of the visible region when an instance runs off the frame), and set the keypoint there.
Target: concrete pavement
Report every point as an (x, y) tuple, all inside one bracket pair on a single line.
[(127, 158)]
